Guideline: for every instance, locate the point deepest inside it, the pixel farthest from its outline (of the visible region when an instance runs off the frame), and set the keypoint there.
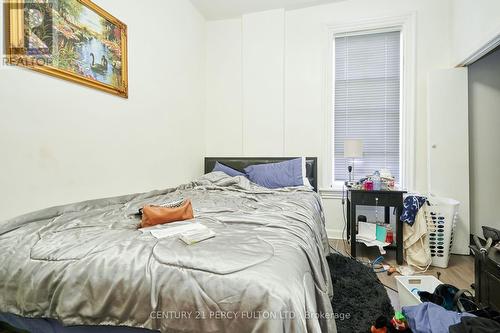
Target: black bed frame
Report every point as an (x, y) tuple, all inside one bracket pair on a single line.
[(240, 163)]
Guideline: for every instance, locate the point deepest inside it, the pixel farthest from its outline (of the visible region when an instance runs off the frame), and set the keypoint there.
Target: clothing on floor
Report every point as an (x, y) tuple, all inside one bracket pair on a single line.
[(431, 318), (416, 248), (475, 325), (411, 206), (488, 312)]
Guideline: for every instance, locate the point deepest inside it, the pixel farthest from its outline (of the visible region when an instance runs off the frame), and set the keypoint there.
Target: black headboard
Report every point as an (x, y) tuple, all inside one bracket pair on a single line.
[(240, 163)]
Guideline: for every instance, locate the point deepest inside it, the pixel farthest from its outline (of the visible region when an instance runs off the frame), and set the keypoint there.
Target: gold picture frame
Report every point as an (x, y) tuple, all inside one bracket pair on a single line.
[(75, 28)]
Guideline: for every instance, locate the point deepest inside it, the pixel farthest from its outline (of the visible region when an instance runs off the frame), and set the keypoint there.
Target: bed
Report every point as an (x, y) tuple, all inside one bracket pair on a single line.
[(86, 265)]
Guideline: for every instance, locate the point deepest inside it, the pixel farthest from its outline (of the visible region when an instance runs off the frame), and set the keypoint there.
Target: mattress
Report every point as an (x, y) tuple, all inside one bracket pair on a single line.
[(88, 264)]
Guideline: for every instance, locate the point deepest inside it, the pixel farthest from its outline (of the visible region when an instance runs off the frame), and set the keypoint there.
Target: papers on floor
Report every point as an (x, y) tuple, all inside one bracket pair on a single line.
[(367, 234)]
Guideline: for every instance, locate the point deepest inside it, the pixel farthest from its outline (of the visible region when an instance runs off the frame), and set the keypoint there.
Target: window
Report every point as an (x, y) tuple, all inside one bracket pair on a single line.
[(367, 102)]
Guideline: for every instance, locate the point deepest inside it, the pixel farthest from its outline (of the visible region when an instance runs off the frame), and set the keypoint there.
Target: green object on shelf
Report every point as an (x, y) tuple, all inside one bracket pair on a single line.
[(381, 233)]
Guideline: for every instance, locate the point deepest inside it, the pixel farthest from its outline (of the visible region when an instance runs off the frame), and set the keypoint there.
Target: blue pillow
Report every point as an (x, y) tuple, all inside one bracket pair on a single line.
[(276, 175), (227, 170)]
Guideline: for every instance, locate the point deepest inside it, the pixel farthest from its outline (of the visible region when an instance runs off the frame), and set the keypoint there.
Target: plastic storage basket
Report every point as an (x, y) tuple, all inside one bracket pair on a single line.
[(441, 218), (409, 286)]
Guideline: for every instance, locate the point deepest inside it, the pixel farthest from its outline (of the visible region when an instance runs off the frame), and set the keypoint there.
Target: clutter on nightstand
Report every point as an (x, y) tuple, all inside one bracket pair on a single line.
[(379, 181)]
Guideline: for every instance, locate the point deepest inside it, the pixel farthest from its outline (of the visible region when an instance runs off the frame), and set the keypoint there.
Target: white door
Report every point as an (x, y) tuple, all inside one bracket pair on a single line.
[(448, 140)]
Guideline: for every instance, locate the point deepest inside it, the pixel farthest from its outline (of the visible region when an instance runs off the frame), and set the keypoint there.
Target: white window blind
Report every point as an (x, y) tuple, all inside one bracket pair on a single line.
[(367, 102)]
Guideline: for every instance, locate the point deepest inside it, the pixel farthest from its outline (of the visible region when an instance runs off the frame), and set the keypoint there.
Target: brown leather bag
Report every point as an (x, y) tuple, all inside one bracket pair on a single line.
[(153, 215)]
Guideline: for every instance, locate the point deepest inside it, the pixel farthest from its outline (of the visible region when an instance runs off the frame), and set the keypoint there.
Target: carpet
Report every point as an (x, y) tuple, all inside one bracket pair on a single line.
[(358, 298)]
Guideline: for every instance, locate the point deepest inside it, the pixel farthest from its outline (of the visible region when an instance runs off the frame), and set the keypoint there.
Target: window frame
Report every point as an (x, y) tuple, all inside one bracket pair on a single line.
[(406, 25)]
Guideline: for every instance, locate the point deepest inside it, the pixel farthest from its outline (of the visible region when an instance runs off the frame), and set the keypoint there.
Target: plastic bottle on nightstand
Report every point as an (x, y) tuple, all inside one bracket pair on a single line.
[(376, 181)]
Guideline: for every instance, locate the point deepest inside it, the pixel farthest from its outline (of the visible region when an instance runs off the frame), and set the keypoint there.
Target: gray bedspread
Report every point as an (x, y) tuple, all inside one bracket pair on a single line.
[(88, 264)]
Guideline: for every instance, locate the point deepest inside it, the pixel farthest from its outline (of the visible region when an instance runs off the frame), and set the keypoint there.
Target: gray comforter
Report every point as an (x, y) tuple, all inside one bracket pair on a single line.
[(88, 264)]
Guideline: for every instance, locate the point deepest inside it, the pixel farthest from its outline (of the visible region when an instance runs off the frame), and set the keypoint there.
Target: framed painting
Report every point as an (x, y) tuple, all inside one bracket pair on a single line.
[(75, 40)]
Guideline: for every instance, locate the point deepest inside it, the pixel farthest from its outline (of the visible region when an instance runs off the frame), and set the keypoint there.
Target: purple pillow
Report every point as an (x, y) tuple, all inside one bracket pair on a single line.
[(276, 175), (227, 170)]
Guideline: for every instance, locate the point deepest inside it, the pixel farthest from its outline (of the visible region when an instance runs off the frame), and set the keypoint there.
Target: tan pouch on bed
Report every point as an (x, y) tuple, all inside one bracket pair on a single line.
[(153, 215)]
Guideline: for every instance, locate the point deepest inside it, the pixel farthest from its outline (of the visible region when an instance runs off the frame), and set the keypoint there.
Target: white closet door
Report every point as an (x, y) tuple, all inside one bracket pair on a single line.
[(448, 139)]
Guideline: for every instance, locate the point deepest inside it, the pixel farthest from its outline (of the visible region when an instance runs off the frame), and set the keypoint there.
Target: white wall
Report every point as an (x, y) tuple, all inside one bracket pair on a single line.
[(263, 36), (61, 142), (303, 114), (224, 123), (484, 136), (475, 22)]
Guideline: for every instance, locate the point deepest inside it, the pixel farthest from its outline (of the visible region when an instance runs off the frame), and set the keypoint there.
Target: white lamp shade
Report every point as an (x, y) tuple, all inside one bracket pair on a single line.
[(353, 148)]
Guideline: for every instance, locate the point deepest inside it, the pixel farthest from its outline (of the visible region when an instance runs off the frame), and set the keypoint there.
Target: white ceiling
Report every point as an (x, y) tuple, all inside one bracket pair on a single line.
[(222, 9)]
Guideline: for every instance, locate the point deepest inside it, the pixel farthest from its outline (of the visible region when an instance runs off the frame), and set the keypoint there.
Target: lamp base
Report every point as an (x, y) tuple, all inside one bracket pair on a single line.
[(350, 183)]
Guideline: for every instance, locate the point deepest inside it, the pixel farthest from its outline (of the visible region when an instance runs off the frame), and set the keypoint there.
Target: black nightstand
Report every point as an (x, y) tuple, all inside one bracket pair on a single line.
[(385, 199)]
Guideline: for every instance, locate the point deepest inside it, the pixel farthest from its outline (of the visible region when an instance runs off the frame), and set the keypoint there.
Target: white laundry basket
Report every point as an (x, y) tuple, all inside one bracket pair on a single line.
[(441, 218)]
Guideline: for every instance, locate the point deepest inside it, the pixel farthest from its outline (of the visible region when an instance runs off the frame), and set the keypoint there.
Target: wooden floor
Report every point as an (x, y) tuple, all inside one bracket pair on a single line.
[(460, 271)]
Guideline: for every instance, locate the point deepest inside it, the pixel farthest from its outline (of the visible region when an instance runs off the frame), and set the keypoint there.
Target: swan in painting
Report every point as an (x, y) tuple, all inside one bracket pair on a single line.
[(117, 66), (100, 68), (104, 61)]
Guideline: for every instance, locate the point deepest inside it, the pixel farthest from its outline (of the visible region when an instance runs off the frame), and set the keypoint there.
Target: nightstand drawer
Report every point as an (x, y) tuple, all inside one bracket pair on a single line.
[(374, 198)]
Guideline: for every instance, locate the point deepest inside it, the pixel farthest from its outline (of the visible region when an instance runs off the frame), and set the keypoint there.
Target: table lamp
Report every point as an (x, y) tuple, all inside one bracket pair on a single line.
[(353, 148)]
